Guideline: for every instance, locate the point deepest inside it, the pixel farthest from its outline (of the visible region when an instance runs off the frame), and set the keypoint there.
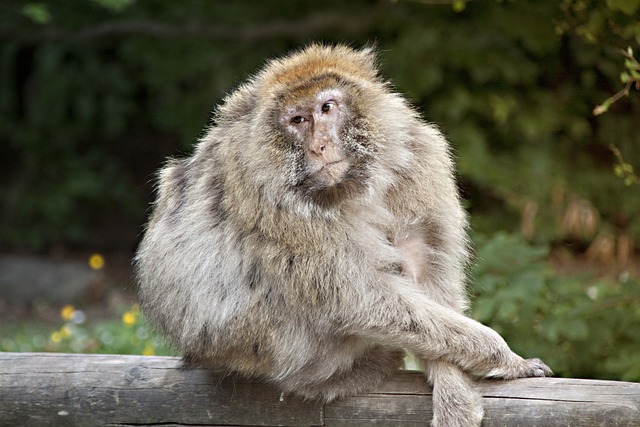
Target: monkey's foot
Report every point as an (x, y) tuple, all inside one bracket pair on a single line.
[(456, 402), (524, 369)]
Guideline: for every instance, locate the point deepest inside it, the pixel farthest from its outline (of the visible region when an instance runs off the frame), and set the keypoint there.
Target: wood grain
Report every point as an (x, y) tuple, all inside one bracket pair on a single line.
[(117, 390)]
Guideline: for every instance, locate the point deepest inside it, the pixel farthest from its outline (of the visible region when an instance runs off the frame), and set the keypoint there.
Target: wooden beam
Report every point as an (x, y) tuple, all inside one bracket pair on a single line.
[(91, 390)]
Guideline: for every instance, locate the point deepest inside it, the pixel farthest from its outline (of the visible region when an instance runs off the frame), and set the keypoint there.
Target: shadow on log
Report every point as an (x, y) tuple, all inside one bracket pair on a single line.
[(114, 390)]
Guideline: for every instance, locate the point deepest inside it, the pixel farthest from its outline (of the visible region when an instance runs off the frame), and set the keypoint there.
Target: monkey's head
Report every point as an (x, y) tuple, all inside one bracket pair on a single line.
[(321, 117)]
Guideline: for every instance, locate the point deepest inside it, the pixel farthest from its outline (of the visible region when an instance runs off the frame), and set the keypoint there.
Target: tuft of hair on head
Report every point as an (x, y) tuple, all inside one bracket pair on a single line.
[(315, 59)]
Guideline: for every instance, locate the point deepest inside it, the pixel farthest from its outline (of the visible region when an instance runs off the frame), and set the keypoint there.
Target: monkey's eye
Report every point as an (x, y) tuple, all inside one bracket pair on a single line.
[(328, 106), (297, 119)]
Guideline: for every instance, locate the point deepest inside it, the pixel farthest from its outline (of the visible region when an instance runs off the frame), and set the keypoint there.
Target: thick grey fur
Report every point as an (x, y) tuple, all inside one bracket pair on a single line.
[(316, 283)]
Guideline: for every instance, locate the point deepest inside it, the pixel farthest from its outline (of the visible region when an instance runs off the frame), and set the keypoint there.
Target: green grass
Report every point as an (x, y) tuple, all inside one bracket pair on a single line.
[(125, 333)]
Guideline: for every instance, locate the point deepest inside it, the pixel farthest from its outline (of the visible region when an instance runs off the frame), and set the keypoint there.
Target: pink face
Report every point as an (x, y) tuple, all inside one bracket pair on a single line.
[(316, 124)]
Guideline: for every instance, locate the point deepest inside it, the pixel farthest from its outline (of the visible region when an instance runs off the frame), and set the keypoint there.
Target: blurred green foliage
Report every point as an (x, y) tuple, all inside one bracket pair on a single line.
[(581, 326), (78, 334), (96, 94)]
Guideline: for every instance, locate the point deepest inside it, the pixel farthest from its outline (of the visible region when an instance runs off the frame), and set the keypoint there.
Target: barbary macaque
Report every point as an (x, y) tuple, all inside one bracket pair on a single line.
[(315, 233)]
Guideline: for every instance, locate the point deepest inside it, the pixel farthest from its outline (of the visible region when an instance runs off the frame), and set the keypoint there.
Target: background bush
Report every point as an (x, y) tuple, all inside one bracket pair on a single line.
[(97, 93), (585, 327)]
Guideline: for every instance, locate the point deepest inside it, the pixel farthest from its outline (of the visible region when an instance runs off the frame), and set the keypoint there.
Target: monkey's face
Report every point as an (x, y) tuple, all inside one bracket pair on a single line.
[(325, 140)]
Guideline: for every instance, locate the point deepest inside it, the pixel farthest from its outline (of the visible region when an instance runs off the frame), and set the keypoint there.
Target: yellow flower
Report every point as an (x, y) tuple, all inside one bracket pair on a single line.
[(96, 261), (65, 332), (129, 318), (148, 351), (67, 312), (56, 337)]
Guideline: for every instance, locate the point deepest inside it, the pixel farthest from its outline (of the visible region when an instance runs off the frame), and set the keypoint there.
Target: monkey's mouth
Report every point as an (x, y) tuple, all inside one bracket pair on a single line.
[(333, 182), (323, 175), (333, 172)]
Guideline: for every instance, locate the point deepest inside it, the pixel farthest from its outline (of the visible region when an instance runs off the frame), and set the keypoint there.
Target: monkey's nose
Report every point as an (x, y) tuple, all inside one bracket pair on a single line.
[(325, 150), (320, 148)]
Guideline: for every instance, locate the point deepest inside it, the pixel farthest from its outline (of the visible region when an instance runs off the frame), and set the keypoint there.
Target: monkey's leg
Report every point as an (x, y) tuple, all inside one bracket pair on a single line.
[(368, 371), (456, 402)]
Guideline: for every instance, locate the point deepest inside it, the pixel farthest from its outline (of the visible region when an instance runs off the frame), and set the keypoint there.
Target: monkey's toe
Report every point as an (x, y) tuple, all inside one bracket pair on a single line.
[(525, 368), (538, 368)]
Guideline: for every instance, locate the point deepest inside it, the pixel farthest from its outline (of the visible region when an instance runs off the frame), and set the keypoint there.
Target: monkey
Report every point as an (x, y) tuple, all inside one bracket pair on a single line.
[(314, 235)]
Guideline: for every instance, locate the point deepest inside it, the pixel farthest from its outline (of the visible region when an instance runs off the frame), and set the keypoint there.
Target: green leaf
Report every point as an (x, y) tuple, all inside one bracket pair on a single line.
[(459, 5), (37, 12), (484, 309), (116, 6), (627, 7), (577, 329)]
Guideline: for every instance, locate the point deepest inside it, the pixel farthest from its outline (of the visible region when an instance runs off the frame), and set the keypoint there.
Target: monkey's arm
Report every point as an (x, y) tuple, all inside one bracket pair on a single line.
[(409, 319)]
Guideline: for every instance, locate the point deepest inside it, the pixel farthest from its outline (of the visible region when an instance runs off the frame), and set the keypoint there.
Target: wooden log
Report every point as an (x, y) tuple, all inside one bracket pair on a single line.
[(107, 390)]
